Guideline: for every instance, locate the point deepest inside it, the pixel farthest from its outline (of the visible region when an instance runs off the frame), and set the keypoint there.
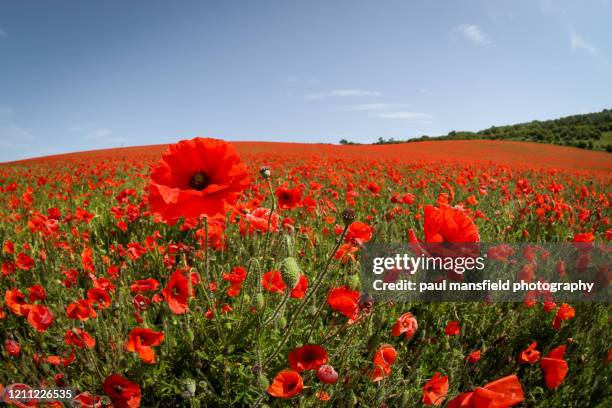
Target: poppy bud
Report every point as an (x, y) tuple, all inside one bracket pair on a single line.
[(190, 335), (256, 369), (290, 272), (326, 374), (265, 172), (281, 322), (351, 400), (354, 282), (259, 301), (246, 298), (366, 301), (348, 216), (404, 398), (262, 382), (189, 386)]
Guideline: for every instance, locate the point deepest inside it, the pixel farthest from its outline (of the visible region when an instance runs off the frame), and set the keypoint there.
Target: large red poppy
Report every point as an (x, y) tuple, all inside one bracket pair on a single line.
[(383, 360), (79, 338), (122, 392), (435, 390), (142, 341), (501, 393), (286, 384), (307, 357), (555, 367), (195, 177)]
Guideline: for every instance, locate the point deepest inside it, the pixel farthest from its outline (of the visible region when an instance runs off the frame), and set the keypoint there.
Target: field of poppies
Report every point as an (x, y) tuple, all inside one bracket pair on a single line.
[(210, 274)]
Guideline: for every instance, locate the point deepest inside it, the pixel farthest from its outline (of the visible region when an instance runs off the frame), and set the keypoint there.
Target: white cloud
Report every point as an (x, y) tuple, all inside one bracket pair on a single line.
[(413, 116), (473, 33), (6, 110), (578, 43), (342, 93), (373, 106), (99, 133)]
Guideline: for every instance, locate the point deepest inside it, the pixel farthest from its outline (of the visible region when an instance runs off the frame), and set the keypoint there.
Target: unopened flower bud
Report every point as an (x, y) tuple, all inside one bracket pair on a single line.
[(265, 172), (348, 216), (290, 272)]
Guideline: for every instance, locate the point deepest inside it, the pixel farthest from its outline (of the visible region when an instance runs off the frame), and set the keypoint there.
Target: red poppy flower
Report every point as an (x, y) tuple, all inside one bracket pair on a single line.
[(345, 301), (326, 374), (449, 224), (81, 310), (307, 357), (288, 198), (99, 297), (40, 317), (12, 347), (87, 260), (36, 292), (15, 300), (272, 282), (555, 367), (358, 233), (406, 323), (383, 360), (142, 340), (87, 400), (194, 177), (452, 328), (259, 218), (565, 312), (176, 292), (501, 393), (530, 355), (286, 384), (144, 285), (473, 357), (122, 392), (435, 390), (24, 262), (236, 277), (79, 338), (299, 291)]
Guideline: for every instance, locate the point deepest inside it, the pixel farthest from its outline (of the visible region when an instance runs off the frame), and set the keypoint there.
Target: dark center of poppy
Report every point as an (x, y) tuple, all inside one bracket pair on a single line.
[(199, 181), (118, 389)]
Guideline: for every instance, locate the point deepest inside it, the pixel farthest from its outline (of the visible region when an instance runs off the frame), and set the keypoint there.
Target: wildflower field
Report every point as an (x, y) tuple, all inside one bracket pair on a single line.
[(211, 274)]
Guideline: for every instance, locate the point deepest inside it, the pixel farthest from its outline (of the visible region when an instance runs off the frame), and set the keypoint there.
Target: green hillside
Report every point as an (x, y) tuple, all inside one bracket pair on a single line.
[(587, 131)]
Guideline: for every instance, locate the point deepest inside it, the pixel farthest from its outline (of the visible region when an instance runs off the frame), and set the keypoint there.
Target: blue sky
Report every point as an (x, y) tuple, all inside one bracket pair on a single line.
[(78, 75)]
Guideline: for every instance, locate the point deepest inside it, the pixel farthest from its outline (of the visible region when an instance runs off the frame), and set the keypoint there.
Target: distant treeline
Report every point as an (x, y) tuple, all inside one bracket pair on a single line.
[(586, 131)]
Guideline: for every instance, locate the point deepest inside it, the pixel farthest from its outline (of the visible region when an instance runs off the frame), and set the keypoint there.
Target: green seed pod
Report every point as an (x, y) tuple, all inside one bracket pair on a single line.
[(259, 301), (403, 399), (281, 322), (189, 385), (262, 382), (246, 298), (312, 310), (354, 282), (351, 400), (190, 335), (290, 272)]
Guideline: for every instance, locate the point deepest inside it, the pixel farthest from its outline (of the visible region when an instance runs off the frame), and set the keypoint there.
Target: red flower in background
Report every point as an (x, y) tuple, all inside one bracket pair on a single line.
[(530, 355), (565, 312), (79, 338), (501, 393), (435, 390), (358, 233), (555, 367), (40, 317), (142, 340), (258, 220), (286, 384), (81, 310), (195, 177), (177, 292), (272, 282), (473, 357), (383, 360), (288, 198), (345, 301), (449, 224), (452, 328), (24, 262), (406, 323), (307, 357), (122, 392), (15, 300), (12, 348)]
